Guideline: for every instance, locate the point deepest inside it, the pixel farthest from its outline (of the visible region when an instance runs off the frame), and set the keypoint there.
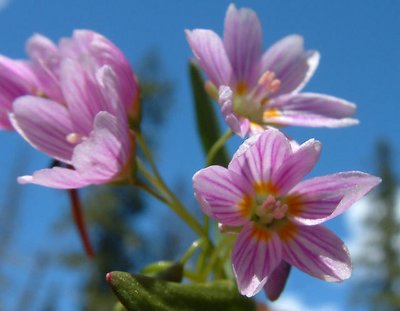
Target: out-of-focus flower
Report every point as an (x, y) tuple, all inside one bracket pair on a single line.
[(94, 49), (90, 134), (40, 75), (255, 90), (277, 216)]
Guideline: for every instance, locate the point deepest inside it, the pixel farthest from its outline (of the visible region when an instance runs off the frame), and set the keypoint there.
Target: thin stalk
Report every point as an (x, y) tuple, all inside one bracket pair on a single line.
[(189, 253), (217, 146), (214, 258), (171, 200), (150, 191), (80, 222), (194, 277)]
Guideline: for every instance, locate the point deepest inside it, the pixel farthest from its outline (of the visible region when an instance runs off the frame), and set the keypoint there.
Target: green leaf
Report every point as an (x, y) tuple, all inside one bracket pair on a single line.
[(207, 123), (138, 292), (165, 270)]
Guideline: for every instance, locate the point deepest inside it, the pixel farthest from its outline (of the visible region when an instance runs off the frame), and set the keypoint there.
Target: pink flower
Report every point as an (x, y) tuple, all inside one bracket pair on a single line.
[(277, 216), (41, 74), (257, 90), (90, 134)]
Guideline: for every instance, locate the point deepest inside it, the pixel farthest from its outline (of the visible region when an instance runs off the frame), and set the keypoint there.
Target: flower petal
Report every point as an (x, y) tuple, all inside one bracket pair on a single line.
[(308, 109), (243, 41), (296, 166), (46, 60), (83, 93), (16, 79), (255, 255), (292, 65), (222, 195), (317, 251), (260, 156), (277, 281), (86, 43), (105, 152), (209, 51), (56, 177), (237, 124), (321, 198), (45, 124)]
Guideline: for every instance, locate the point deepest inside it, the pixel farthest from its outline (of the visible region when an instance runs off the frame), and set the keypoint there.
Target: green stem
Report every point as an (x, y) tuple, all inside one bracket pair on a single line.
[(192, 276), (214, 258), (189, 253), (150, 191), (147, 154), (158, 183), (217, 146)]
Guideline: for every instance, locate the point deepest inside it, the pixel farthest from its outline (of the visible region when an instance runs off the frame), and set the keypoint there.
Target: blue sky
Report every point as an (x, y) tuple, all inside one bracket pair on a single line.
[(359, 42)]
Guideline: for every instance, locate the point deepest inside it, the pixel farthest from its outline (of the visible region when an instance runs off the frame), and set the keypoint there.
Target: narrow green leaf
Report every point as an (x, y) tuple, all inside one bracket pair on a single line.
[(165, 270), (138, 292), (207, 123)]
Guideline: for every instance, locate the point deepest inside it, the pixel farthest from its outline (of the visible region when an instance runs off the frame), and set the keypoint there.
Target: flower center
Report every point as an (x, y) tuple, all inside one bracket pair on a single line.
[(251, 103), (268, 209)]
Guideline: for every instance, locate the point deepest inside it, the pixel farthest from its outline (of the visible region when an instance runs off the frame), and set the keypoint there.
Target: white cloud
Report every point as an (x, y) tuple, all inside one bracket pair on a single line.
[(293, 303), (4, 4)]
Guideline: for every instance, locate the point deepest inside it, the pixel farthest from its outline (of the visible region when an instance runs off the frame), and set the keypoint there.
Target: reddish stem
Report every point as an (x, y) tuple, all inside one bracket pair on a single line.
[(80, 222)]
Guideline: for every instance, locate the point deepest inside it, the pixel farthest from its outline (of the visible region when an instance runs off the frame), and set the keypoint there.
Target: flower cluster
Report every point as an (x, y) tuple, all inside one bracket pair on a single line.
[(261, 196), (78, 102), (72, 102)]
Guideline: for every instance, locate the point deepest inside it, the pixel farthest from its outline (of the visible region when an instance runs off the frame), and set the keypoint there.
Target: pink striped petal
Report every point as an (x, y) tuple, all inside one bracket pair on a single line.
[(45, 124), (321, 198), (255, 255), (86, 43), (292, 65), (102, 156), (243, 41), (260, 156), (83, 93), (315, 110), (237, 124), (46, 60), (222, 194), (317, 251), (211, 55), (56, 177), (16, 79), (43, 51), (296, 166)]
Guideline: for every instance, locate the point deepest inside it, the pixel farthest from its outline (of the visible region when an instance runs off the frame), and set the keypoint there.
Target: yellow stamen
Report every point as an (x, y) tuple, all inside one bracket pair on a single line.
[(271, 113), (73, 138)]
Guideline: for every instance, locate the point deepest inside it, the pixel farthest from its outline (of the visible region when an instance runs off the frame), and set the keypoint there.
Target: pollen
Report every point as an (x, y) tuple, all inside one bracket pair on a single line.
[(74, 138)]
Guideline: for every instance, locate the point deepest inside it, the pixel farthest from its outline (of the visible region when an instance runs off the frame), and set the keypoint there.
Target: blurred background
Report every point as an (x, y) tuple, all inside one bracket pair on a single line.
[(42, 263)]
